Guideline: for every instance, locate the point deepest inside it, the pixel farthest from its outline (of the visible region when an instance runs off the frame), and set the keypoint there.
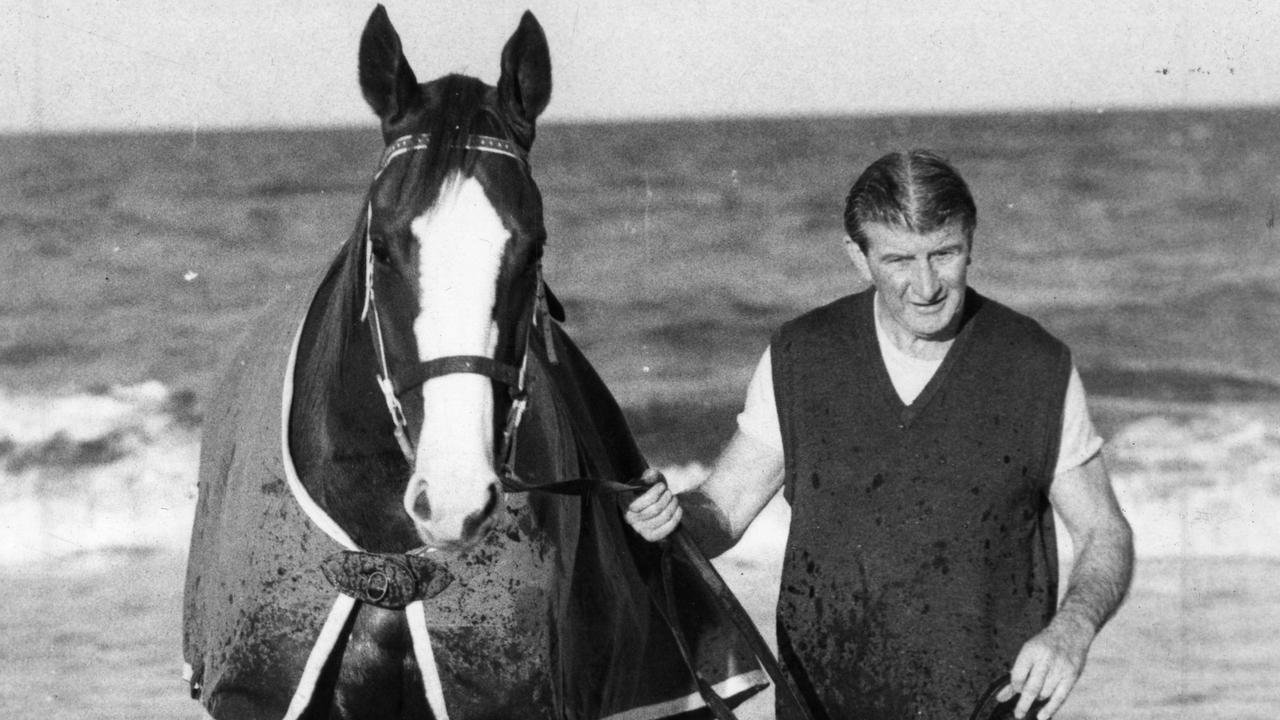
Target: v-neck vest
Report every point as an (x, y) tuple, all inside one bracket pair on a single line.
[(921, 553)]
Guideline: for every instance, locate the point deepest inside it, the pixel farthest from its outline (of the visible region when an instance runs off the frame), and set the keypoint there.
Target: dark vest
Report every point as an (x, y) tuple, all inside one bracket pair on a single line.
[(921, 553)]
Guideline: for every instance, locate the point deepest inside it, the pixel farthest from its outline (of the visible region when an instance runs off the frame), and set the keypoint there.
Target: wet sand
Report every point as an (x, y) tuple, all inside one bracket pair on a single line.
[(100, 637)]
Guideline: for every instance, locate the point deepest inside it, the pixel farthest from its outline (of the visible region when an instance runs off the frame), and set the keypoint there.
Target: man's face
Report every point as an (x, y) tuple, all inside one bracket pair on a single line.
[(921, 278)]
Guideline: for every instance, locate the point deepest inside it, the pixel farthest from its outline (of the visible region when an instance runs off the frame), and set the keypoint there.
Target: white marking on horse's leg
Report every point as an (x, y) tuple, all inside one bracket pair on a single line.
[(461, 241)]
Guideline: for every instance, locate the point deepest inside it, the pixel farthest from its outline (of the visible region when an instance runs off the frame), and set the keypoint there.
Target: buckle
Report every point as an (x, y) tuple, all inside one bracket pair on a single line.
[(387, 580)]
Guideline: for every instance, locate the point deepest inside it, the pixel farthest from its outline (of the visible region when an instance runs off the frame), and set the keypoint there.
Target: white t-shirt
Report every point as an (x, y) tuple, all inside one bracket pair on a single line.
[(759, 416)]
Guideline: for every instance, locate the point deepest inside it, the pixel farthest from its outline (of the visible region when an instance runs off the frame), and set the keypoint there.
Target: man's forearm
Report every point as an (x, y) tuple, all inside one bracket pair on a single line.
[(710, 528), (719, 509), (1099, 580)]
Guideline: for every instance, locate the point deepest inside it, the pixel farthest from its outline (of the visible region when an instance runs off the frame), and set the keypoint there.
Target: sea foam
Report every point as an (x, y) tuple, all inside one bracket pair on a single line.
[(1205, 483), (1200, 481), (92, 472), (115, 469)]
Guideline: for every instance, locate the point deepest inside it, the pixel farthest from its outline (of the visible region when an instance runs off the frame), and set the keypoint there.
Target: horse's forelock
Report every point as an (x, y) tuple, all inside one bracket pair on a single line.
[(450, 109)]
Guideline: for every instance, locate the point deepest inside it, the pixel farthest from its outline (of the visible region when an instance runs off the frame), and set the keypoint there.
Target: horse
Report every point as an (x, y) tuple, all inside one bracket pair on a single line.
[(370, 539)]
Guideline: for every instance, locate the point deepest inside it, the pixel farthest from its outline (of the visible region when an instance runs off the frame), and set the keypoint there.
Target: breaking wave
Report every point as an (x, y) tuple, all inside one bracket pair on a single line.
[(114, 469), (1203, 482), (1193, 480)]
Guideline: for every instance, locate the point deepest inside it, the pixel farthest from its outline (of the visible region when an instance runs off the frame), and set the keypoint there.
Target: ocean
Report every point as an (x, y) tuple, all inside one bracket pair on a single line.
[(1146, 240)]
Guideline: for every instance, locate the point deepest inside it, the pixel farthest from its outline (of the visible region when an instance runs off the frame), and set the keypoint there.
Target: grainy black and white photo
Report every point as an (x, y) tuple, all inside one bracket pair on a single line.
[(585, 360)]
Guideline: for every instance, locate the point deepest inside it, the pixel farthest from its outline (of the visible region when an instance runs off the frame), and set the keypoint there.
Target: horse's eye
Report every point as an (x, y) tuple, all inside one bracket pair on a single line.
[(380, 251)]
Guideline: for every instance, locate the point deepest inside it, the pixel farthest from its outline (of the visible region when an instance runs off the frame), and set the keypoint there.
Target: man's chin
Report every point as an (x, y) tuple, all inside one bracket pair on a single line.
[(932, 327)]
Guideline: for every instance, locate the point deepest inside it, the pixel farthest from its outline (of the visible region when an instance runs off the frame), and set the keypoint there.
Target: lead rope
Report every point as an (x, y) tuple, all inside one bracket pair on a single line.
[(784, 686), (716, 704)]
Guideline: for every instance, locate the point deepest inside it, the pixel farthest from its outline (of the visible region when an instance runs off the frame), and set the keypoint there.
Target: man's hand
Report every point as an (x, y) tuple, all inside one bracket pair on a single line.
[(1048, 666), (656, 513)]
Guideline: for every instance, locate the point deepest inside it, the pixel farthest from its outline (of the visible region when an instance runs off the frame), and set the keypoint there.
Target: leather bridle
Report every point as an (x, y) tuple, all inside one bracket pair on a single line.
[(513, 376)]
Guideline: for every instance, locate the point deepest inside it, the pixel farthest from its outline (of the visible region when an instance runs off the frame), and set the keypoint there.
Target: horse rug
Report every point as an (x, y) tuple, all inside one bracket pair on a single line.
[(551, 616)]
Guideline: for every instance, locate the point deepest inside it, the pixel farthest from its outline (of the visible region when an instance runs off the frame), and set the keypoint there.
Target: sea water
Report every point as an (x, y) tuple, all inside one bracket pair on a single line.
[(1146, 240)]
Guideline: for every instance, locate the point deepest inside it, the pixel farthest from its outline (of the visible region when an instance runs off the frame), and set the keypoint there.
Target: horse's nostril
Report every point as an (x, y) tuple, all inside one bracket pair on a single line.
[(421, 507), (472, 525)]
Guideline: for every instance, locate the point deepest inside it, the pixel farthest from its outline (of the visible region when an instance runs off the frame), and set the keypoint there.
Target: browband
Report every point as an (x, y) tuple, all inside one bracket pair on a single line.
[(482, 143)]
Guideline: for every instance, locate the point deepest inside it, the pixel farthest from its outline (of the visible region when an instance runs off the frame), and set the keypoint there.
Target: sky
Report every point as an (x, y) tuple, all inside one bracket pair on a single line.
[(68, 65)]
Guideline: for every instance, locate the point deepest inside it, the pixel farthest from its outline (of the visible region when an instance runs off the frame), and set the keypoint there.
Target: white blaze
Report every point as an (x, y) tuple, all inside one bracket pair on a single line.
[(461, 241)]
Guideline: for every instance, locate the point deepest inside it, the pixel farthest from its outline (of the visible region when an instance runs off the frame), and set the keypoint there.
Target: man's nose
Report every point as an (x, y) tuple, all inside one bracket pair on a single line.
[(925, 279)]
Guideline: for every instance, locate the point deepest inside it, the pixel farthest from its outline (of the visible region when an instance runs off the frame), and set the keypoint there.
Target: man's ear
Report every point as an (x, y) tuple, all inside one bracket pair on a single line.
[(858, 257)]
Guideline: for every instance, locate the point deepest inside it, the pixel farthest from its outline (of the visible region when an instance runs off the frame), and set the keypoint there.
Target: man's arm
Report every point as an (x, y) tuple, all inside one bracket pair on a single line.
[(718, 510), (1050, 663)]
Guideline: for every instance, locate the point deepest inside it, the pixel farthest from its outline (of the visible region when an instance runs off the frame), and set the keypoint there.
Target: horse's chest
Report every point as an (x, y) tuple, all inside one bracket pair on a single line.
[(505, 585), (490, 630)]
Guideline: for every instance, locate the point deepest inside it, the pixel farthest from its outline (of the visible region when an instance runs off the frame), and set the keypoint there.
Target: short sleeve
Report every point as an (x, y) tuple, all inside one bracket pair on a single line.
[(759, 416), (1080, 440)]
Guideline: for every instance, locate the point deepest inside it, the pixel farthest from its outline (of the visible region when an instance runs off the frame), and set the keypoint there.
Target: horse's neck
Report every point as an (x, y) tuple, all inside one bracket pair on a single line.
[(581, 416), (340, 434)]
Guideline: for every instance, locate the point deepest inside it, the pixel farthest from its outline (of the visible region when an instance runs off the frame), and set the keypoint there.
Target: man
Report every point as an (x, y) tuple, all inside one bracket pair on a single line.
[(921, 433)]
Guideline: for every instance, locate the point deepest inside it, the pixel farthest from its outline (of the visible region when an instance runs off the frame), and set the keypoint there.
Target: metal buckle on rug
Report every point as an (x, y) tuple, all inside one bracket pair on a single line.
[(376, 586), (387, 580)]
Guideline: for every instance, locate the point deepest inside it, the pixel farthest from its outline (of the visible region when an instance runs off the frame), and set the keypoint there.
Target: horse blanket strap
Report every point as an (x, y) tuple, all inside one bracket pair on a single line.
[(477, 364), (387, 580)]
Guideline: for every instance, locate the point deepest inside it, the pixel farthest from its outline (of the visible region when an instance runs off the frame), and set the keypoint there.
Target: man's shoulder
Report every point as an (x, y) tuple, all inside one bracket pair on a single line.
[(1011, 327)]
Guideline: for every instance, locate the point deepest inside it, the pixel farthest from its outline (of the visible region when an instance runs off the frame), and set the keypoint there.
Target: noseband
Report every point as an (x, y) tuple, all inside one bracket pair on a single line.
[(510, 375)]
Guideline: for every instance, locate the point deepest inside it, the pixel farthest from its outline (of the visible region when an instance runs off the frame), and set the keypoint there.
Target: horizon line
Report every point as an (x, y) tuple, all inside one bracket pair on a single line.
[(659, 118)]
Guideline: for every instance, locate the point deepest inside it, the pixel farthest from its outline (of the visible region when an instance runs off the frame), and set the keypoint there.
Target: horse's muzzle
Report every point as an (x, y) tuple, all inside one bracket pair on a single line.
[(449, 517)]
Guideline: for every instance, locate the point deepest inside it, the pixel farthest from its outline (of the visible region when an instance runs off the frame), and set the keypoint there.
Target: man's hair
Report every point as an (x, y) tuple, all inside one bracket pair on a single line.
[(917, 190)]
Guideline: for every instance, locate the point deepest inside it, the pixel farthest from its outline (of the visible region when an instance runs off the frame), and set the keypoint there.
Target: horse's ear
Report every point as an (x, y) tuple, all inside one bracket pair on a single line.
[(387, 81), (524, 88)]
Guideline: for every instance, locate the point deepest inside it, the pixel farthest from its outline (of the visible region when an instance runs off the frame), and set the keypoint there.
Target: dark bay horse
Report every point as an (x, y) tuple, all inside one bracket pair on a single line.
[(365, 543)]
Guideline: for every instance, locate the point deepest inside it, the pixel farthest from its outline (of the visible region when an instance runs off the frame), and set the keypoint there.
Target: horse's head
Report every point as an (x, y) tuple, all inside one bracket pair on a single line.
[(454, 241)]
